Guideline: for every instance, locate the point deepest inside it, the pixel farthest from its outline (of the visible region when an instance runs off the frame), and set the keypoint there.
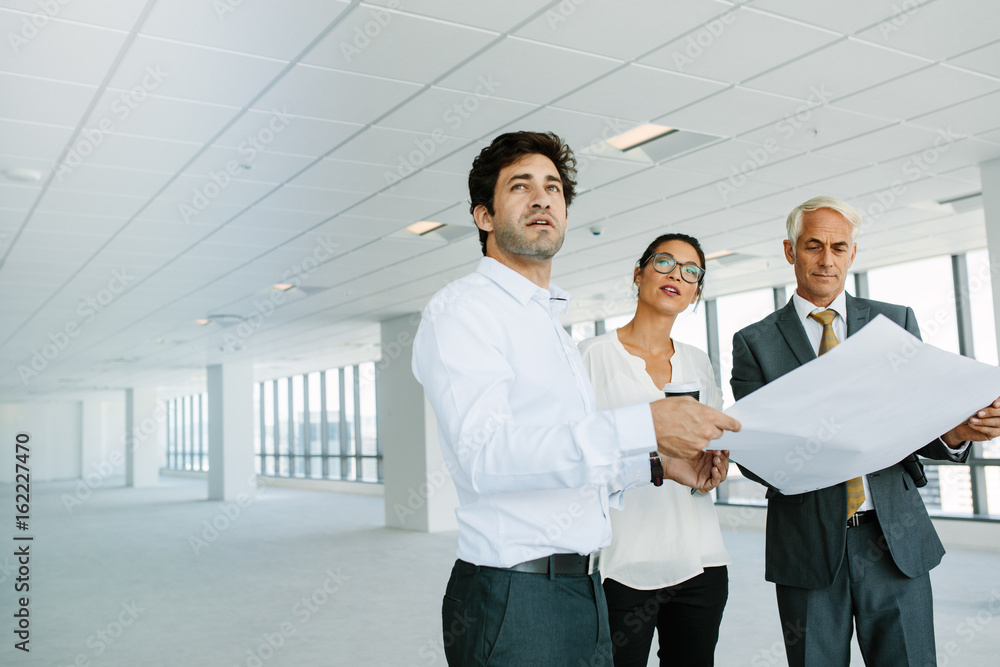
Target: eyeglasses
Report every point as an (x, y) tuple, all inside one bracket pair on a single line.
[(664, 262)]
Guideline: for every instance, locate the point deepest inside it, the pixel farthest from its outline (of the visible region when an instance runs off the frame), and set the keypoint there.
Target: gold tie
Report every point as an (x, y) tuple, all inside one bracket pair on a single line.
[(855, 489)]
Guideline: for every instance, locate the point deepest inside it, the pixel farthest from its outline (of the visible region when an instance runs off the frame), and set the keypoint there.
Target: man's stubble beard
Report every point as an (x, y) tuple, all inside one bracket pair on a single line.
[(511, 241)]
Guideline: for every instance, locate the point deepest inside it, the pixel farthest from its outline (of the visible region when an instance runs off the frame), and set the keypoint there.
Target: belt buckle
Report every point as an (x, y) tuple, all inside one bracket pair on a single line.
[(855, 520), (594, 562)]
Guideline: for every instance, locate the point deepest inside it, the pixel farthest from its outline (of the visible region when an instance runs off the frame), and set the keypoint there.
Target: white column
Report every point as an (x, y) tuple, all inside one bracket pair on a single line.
[(230, 430), (990, 173), (91, 435), (144, 417), (419, 492)]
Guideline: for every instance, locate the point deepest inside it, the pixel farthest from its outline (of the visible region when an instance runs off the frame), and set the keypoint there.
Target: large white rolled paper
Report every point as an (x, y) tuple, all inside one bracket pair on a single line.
[(864, 405)]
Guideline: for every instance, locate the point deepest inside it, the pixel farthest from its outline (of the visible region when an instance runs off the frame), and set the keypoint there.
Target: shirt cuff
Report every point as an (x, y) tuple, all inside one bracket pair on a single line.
[(636, 435)]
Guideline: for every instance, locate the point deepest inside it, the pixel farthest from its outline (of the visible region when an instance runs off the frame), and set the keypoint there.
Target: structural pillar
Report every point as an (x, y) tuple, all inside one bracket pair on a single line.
[(230, 430), (144, 417), (990, 174), (419, 492), (91, 435)]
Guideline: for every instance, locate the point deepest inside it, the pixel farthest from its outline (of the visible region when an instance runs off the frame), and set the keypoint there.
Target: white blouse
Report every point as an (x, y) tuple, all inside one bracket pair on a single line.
[(663, 535)]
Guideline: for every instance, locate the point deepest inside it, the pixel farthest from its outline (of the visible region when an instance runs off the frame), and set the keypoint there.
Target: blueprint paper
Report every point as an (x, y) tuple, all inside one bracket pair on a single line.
[(864, 405)]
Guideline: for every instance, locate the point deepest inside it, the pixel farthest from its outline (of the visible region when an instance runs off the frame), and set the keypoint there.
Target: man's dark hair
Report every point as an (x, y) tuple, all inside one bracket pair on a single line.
[(507, 149)]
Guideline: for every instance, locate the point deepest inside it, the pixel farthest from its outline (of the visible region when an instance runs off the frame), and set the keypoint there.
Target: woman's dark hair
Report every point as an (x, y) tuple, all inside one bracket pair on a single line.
[(506, 150), (675, 236)]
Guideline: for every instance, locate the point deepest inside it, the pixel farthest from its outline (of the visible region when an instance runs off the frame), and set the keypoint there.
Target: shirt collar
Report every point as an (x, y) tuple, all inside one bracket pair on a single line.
[(519, 287), (803, 308)]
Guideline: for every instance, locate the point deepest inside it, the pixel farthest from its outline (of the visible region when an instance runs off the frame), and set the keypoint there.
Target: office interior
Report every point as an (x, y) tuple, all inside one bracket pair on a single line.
[(220, 221)]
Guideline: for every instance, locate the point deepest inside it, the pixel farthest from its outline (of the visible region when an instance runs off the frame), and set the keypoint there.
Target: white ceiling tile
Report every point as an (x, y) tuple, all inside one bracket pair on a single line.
[(731, 49), (33, 140), (599, 204), (886, 143), (265, 166), (455, 114), (35, 100), (158, 117), (430, 184), (805, 168), (318, 200), (985, 60), (658, 182), (274, 218), (169, 210), (721, 158), (343, 175), (19, 196), (593, 172), (498, 17), (401, 151), (731, 112), (501, 71), (404, 210), (992, 135), (578, 130), (128, 152), (844, 17), (112, 180), (330, 95), (814, 128), (639, 93), (43, 56), (941, 29), (207, 75), (69, 201), (299, 135), (919, 93), (193, 193), (356, 45), (267, 29), (76, 220), (823, 75), (969, 118), (121, 14), (608, 27)]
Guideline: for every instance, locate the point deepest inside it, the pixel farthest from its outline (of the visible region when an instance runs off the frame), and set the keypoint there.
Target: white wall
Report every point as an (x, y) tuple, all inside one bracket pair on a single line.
[(55, 430)]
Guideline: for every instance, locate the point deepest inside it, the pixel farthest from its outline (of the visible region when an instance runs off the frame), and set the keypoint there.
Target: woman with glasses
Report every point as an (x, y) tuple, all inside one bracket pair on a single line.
[(666, 565)]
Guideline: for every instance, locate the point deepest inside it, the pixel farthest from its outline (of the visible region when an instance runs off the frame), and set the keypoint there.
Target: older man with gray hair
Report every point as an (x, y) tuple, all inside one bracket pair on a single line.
[(857, 553)]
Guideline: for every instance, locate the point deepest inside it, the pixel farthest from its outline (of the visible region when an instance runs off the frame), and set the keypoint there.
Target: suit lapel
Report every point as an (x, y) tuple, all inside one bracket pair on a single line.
[(795, 335), (857, 315)]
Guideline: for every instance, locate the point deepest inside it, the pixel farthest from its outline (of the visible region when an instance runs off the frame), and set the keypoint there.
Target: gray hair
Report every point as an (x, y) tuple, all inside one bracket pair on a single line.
[(851, 214)]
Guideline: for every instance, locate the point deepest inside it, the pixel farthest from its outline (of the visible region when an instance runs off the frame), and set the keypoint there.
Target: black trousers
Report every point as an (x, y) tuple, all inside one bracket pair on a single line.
[(686, 617), (498, 617)]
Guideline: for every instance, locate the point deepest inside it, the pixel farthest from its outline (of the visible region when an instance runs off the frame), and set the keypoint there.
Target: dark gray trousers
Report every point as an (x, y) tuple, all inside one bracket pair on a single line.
[(498, 617), (893, 613)]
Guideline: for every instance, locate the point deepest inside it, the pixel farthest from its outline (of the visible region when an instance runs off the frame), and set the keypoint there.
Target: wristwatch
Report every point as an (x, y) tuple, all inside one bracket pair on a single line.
[(655, 469)]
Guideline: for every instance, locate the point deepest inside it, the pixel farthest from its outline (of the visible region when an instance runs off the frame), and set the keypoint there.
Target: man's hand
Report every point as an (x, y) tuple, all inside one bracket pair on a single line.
[(982, 426), (703, 473), (684, 426)]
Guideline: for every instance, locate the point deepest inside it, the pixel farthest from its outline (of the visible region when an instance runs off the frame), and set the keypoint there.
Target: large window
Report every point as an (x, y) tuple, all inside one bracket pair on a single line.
[(928, 288), (187, 433), (319, 425), (736, 311)]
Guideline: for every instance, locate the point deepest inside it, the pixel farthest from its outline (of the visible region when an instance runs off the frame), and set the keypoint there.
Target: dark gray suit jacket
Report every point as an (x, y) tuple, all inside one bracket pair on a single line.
[(807, 532)]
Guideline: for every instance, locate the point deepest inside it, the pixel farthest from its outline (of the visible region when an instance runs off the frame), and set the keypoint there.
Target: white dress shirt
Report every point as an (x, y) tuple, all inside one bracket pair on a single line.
[(814, 331), (534, 464), (663, 535)]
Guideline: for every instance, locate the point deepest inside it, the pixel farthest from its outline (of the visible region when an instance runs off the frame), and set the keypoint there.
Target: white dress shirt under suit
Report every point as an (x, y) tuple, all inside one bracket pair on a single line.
[(535, 465)]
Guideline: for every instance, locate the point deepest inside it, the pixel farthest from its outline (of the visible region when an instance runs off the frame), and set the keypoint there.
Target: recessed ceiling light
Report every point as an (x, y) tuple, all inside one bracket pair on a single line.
[(282, 287), (717, 255), (23, 175), (424, 227), (198, 378), (202, 323), (639, 135), (159, 341)]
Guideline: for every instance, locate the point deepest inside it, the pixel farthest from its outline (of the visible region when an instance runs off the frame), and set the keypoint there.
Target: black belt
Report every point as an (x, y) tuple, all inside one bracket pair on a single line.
[(561, 564), (860, 518)]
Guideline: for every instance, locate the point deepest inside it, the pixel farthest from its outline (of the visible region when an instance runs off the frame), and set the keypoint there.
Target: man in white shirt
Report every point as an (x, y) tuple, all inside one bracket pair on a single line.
[(536, 467), (861, 551)]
